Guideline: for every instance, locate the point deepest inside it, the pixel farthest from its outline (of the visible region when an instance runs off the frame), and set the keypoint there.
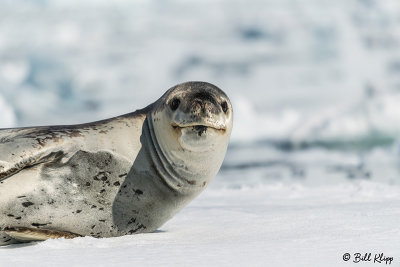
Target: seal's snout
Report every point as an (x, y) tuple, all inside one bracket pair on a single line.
[(204, 103), (201, 107)]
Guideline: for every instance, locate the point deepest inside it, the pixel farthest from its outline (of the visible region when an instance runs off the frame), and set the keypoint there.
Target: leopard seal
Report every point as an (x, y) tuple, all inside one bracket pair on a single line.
[(120, 176)]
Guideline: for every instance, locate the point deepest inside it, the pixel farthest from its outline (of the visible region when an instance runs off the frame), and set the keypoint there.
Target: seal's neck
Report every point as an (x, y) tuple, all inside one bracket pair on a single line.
[(172, 170)]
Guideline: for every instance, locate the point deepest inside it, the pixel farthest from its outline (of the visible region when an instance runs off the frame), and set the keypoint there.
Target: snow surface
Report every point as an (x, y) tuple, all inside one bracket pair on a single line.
[(271, 225), (313, 168)]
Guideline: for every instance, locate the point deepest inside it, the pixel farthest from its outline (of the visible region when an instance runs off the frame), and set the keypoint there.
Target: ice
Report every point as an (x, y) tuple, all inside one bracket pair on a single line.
[(7, 118)]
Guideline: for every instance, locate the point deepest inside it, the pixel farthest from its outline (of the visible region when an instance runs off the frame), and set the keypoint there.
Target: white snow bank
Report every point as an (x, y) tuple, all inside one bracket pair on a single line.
[(371, 119)]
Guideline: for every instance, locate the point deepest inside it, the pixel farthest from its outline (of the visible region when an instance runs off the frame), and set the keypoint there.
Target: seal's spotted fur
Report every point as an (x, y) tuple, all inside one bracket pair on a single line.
[(124, 175)]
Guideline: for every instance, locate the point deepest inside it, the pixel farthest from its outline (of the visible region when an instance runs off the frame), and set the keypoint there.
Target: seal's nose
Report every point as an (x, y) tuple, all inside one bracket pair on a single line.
[(204, 103), (198, 105)]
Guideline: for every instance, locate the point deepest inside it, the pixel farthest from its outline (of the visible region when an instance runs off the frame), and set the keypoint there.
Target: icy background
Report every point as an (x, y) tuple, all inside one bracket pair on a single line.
[(314, 163)]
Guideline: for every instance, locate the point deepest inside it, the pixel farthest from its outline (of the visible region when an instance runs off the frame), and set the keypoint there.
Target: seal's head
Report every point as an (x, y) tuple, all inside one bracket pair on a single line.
[(192, 124)]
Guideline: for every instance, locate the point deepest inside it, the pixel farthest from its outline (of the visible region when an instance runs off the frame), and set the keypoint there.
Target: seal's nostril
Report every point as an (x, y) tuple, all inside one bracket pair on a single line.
[(174, 104), (198, 104)]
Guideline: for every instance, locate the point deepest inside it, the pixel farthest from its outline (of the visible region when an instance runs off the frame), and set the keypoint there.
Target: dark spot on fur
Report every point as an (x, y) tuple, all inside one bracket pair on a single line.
[(93, 206), (20, 196), (93, 226), (102, 190), (27, 204), (139, 192), (18, 218), (191, 182), (10, 215), (103, 176), (102, 220), (122, 175), (87, 184), (117, 183), (141, 226), (39, 224), (200, 129), (132, 220), (40, 141), (78, 211), (101, 208)]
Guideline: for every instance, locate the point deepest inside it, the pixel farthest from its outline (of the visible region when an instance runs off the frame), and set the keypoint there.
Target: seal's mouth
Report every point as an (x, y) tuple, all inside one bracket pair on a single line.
[(199, 128), (198, 137)]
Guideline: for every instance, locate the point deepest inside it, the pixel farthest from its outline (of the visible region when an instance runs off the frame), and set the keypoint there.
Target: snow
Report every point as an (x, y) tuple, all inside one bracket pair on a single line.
[(275, 225), (312, 171)]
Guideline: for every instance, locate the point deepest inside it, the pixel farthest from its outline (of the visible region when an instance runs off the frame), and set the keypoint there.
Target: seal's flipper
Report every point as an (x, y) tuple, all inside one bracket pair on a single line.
[(30, 162), (26, 147), (21, 148), (36, 234)]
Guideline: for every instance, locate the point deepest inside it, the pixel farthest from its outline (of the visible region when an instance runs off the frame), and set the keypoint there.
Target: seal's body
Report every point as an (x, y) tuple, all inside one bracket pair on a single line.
[(124, 175)]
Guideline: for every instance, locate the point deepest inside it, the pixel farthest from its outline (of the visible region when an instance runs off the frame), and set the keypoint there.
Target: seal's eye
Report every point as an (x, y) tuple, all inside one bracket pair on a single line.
[(224, 106), (174, 104)]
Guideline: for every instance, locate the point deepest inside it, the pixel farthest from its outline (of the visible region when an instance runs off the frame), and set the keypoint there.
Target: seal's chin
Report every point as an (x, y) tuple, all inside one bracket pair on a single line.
[(198, 137)]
